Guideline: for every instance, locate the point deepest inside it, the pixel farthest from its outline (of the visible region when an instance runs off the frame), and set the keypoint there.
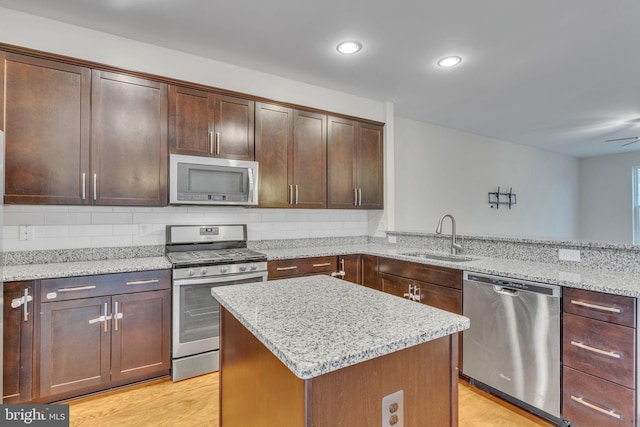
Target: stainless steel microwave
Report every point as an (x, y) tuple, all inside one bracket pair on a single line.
[(210, 181)]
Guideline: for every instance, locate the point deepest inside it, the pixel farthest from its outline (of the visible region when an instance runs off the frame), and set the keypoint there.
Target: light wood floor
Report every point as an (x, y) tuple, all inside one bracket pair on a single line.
[(194, 403)]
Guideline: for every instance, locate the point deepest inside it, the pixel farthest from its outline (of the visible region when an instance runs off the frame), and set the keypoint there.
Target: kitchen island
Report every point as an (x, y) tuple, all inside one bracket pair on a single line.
[(318, 351)]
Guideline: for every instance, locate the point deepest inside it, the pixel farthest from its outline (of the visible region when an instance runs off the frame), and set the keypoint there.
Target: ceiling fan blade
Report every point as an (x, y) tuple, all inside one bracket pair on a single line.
[(629, 143), (635, 138)]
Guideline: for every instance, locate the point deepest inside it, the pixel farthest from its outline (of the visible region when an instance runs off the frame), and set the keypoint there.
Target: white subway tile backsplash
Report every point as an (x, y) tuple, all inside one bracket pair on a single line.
[(76, 227)]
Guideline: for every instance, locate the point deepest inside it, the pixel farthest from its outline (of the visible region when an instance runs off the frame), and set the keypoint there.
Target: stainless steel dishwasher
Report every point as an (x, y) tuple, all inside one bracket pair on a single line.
[(512, 348)]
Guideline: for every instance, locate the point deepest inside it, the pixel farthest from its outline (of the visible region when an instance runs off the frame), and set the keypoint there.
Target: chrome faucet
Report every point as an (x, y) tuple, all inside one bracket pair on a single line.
[(455, 247)]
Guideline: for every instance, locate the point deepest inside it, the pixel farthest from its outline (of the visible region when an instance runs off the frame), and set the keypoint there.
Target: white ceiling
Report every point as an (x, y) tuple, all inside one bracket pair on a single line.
[(561, 75)]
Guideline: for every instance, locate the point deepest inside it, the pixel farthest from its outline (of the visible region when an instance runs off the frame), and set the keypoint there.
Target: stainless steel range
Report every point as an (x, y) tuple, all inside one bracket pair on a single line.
[(203, 257)]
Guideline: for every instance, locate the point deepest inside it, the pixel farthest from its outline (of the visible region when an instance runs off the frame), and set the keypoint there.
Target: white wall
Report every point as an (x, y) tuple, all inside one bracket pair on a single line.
[(606, 197), (440, 170)]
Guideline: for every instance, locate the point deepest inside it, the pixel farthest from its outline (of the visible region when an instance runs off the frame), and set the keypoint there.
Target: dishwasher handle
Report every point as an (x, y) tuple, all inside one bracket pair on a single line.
[(506, 291), (501, 284)]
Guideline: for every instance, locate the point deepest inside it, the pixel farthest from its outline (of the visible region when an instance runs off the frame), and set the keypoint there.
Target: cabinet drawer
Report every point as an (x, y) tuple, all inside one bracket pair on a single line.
[(301, 266), (591, 401), (436, 296), (599, 348), (69, 288), (597, 305), (427, 273)]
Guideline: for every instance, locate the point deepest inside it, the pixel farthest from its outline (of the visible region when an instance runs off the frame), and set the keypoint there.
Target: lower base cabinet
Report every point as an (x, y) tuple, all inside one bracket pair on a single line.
[(93, 343)]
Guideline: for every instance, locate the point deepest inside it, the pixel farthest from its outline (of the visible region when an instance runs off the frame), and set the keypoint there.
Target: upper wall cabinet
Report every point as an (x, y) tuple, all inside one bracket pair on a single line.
[(46, 131), (291, 150), (204, 123), (354, 164), (128, 140)]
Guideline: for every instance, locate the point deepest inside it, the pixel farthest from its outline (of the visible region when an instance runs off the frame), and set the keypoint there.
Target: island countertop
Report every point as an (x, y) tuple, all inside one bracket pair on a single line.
[(319, 324)]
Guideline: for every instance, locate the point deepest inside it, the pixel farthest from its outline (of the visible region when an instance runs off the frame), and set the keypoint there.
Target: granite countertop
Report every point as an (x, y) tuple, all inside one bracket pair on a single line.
[(612, 282), (319, 324), (12, 273)]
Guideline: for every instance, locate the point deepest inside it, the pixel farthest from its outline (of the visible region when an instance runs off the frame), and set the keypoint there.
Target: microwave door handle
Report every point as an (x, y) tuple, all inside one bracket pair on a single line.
[(251, 184)]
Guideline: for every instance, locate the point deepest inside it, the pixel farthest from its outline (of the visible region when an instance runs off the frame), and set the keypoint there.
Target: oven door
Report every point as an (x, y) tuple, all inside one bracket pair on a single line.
[(196, 314)]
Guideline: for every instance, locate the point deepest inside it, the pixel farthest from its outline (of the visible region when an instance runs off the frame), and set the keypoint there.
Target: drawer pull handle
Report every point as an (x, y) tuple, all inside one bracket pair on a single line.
[(293, 267), (142, 282), (596, 350), (77, 288), (609, 412), (326, 264), (596, 307)]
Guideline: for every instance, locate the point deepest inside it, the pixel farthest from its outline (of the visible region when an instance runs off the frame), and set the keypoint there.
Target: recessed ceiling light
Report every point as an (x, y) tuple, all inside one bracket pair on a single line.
[(349, 47), (449, 61)]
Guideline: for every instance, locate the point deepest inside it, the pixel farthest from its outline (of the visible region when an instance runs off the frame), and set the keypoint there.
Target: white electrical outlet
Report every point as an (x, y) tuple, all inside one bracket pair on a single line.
[(25, 232), (393, 409), (569, 255), (392, 239)]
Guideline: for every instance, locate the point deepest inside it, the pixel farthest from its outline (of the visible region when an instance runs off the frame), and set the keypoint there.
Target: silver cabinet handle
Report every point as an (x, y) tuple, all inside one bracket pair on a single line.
[(596, 307), (217, 143), (325, 264), (84, 186), (25, 309), (116, 316), (596, 350), (342, 265), (95, 186), (210, 142), (410, 293), (142, 282), (293, 267), (77, 288), (609, 412), (296, 195), (291, 194), (339, 274), (103, 318), (359, 196), (355, 197)]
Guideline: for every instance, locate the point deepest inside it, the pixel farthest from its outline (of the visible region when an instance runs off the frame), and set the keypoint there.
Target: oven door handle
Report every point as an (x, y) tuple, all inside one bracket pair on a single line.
[(220, 279)]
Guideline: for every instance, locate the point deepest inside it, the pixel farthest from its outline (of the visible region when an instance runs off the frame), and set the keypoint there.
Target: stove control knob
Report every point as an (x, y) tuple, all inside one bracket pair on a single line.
[(254, 267), (203, 271), (243, 268), (224, 269), (191, 272)]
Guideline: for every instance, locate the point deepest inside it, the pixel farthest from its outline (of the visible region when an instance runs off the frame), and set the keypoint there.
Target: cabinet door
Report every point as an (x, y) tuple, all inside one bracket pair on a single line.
[(17, 341), (141, 337), (309, 160), (274, 146), (46, 131), (341, 163), (233, 128), (350, 264), (394, 285), (190, 121), (74, 345), (128, 140), (370, 166), (369, 274)]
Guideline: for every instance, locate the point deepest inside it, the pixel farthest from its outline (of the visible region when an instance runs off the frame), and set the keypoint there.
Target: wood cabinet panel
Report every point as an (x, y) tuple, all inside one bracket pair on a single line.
[(369, 274), (47, 106), (282, 269), (140, 342), (436, 296), (128, 140), (74, 346), (274, 153), (341, 163), (589, 401), (599, 348), (17, 341), (310, 159), (427, 273), (600, 306), (233, 128), (369, 158), (190, 121), (350, 264)]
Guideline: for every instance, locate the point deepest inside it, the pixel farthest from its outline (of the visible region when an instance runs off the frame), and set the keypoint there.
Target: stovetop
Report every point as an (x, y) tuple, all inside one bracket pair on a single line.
[(215, 256)]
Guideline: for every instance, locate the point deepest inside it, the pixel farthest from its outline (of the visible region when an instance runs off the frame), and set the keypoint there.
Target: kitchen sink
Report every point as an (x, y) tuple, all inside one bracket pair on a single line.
[(448, 258)]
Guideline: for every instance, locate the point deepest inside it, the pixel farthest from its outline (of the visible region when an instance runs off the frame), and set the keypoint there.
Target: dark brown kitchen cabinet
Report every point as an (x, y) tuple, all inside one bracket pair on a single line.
[(351, 266), (599, 356), (441, 297), (99, 332), (297, 267), (46, 123), (128, 141), (291, 150), (203, 123), (354, 164), (369, 271), (17, 341)]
